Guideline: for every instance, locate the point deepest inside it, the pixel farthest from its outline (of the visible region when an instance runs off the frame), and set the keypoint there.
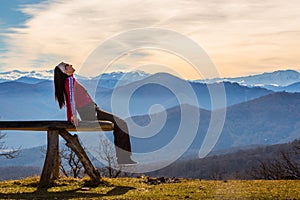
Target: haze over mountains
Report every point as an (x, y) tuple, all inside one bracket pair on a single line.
[(268, 120), (255, 115), (280, 78)]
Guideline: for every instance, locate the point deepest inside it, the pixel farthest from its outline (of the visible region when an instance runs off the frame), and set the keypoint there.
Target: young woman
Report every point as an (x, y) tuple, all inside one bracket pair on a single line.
[(70, 93)]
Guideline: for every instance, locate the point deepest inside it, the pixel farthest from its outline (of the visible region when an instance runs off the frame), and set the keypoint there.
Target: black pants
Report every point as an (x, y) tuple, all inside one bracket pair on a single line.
[(92, 112)]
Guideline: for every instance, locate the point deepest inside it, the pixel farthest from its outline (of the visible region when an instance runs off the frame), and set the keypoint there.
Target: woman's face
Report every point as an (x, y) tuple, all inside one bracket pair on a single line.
[(69, 69)]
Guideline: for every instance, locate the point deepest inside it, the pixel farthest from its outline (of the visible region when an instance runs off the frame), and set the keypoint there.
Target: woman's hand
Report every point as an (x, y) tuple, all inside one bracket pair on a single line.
[(74, 120)]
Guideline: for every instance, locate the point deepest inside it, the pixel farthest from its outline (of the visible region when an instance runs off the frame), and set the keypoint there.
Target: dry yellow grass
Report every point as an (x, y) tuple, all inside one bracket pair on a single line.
[(136, 188)]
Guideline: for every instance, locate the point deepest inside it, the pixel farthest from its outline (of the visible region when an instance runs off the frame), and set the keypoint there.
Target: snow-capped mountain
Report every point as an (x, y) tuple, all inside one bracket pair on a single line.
[(113, 79), (23, 75), (279, 78), (107, 80), (123, 75), (282, 80)]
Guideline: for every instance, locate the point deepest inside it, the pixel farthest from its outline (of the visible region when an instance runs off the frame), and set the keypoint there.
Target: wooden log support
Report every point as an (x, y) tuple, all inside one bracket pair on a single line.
[(56, 167), (48, 174), (54, 129), (74, 144)]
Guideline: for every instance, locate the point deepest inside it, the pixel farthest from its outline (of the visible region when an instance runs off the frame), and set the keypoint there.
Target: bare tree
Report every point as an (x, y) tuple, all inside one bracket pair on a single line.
[(296, 146), (106, 152), (291, 166), (286, 166), (70, 165), (4, 151), (216, 173)]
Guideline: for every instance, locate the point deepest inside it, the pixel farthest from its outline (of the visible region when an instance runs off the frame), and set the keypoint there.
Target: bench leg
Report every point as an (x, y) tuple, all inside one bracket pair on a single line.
[(51, 165), (74, 144)]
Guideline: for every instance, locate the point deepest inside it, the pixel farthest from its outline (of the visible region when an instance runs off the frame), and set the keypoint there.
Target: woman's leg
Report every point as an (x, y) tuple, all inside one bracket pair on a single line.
[(121, 136)]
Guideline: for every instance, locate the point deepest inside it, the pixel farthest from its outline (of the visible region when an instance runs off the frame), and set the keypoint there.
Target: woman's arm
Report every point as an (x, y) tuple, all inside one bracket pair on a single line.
[(71, 108)]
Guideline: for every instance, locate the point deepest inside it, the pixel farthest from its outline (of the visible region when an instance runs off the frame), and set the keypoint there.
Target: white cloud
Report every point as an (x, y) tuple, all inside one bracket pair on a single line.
[(229, 30), (72, 29)]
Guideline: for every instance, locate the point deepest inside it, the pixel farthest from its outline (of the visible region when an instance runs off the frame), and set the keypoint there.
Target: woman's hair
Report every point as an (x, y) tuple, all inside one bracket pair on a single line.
[(59, 85)]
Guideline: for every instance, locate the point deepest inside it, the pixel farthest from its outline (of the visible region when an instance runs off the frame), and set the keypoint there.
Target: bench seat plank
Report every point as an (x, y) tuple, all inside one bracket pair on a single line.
[(46, 125)]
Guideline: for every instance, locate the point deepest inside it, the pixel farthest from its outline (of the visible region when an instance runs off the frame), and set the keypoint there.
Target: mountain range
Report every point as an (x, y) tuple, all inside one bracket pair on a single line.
[(26, 76), (277, 81), (165, 90), (35, 100), (267, 120), (106, 80), (271, 119), (280, 78), (254, 115)]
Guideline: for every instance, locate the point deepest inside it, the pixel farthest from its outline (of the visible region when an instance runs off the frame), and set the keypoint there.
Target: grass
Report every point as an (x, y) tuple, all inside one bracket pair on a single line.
[(137, 188)]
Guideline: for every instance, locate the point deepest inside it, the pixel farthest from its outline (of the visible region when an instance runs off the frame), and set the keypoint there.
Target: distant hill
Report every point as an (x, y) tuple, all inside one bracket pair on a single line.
[(235, 165), (267, 120), (295, 87), (25, 101), (264, 121), (163, 89), (18, 172), (29, 80), (32, 157), (29, 162)]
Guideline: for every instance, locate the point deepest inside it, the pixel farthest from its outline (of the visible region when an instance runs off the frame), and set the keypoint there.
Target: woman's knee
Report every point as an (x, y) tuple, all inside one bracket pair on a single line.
[(120, 123)]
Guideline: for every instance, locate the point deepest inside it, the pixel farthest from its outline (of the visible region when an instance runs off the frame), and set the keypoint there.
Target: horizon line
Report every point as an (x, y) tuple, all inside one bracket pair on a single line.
[(124, 71)]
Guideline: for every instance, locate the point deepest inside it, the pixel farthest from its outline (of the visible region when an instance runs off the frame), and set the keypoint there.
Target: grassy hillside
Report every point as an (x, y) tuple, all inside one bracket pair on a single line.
[(139, 188)]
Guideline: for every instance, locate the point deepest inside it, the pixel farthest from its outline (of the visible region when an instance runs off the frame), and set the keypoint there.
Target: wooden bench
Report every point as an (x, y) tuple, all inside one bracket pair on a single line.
[(54, 129)]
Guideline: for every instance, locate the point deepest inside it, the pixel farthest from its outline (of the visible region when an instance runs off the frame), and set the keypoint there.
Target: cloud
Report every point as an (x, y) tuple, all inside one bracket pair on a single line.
[(71, 29)]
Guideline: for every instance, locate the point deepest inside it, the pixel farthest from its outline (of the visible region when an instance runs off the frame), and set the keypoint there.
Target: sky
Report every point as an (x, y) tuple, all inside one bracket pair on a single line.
[(239, 37)]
